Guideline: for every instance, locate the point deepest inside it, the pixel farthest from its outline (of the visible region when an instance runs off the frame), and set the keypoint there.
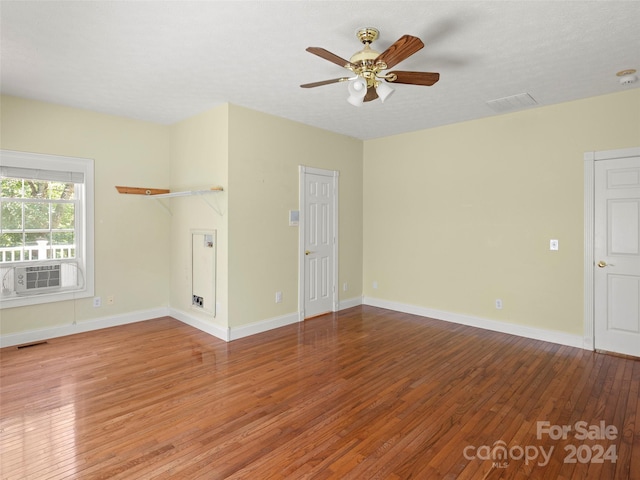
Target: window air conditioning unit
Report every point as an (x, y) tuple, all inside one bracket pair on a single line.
[(37, 279)]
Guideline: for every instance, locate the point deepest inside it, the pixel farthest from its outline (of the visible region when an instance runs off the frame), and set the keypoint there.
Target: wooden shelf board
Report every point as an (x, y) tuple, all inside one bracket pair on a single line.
[(142, 191), (163, 192)]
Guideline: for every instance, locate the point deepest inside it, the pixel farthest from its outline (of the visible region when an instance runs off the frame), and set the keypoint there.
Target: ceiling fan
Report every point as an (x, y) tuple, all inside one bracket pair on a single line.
[(368, 66)]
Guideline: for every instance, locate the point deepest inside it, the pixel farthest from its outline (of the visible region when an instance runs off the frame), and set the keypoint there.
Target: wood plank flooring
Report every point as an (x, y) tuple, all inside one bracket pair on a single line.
[(365, 393)]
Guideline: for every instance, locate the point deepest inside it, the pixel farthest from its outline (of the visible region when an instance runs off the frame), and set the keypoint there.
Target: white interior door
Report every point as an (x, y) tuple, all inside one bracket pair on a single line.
[(617, 255), (318, 227)]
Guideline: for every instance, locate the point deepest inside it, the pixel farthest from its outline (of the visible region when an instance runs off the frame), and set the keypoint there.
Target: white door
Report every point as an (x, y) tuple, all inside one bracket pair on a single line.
[(318, 241), (617, 255)]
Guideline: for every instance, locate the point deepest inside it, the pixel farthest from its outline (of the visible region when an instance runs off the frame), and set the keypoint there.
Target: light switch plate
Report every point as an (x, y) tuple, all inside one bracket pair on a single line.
[(294, 218)]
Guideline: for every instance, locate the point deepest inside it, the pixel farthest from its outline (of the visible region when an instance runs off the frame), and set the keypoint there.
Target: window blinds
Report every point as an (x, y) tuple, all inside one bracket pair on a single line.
[(41, 174)]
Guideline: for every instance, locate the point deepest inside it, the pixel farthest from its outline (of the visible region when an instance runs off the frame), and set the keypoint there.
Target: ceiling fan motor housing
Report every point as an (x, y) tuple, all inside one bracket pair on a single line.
[(363, 63)]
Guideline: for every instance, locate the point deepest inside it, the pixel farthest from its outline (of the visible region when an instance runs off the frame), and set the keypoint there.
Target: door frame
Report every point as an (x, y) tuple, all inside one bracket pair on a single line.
[(589, 234), (334, 175)]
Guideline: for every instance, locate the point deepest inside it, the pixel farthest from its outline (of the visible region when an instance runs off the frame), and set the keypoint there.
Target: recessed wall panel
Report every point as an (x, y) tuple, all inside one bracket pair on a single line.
[(325, 223), (312, 279), (324, 288), (312, 225), (623, 178), (624, 224), (624, 311)]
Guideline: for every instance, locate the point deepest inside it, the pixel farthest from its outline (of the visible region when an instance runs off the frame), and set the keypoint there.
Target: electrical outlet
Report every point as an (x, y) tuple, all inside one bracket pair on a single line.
[(375, 284), (278, 297), (345, 287), (498, 303), (97, 302), (197, 301), (553, 244)]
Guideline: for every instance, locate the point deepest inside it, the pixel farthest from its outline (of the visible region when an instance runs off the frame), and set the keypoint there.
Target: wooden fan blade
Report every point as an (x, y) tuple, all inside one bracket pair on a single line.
[(403, 48), (324, 82), (371, 94), (327, 55), (415, 78)]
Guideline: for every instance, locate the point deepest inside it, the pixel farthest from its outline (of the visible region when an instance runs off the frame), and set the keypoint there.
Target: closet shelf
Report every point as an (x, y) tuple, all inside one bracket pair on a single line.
[(164, 193), (187, 193), (160, 193)]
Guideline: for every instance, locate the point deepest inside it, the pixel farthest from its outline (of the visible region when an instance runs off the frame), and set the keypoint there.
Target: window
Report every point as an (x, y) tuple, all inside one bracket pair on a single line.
[(46, 228)]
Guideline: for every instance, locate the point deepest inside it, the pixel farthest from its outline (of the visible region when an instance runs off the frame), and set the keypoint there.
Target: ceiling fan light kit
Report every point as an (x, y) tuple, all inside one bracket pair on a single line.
[(384, 91), (369, 65), (357, 88)]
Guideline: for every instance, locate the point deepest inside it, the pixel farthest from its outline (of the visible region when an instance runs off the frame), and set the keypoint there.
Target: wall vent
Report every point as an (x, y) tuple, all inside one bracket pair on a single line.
[(29, 345), (514, 102)]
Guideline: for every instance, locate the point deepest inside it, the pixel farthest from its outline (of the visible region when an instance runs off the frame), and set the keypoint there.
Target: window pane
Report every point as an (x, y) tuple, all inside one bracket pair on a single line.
[(62, 191), (11, 187), (37, 246), (48, 190), (11, 246), (35, 189), (11, 240), (64, 245), (11, 216), (63, 216), (36, 216)]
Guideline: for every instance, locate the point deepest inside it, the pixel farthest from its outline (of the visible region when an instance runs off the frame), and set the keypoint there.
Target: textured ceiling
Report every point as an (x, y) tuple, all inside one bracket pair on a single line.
[(164, 61)]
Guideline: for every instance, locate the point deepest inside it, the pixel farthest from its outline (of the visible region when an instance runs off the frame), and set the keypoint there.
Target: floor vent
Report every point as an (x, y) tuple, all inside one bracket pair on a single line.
[(32, 345)]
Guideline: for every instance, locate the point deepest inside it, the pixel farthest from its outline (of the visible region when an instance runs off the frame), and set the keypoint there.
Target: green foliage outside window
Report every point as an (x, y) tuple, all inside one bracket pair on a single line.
[(32, 210)]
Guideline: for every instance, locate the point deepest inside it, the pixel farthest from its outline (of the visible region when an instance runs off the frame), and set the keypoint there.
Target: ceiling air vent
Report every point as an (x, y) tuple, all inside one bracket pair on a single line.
[(514, 102)]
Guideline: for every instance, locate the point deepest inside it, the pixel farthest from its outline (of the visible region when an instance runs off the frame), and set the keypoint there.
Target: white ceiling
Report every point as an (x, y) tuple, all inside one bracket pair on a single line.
[(164, 61)]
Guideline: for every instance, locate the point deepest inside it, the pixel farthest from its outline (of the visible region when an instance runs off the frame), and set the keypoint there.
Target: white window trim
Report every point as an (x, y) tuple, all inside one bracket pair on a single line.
[(12, 158)]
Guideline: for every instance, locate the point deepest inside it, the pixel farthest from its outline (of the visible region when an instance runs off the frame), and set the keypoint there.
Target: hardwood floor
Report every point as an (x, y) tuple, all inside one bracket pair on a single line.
[(363, 394)]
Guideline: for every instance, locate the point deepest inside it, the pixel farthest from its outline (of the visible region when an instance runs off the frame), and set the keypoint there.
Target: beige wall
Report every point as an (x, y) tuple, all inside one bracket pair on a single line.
[(458, 216), (131, 242), (199, 160), (264, 155), (449, 218), (144, 248)]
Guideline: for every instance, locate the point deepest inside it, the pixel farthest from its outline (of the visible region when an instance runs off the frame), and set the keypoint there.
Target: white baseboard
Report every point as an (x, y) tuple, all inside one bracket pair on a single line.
[(487, 324), (241, 331), (210, 328), (234, 333), (39, 335), (226, 334), (262, 326), (277, 322), (349, 302)]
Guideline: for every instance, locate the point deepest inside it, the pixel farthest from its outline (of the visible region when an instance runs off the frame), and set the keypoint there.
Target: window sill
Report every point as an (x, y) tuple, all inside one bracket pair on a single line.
[(13, 300)]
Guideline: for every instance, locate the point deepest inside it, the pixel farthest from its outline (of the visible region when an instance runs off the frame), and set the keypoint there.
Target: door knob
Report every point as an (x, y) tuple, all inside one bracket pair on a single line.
[(307, 252), (603, 264)]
